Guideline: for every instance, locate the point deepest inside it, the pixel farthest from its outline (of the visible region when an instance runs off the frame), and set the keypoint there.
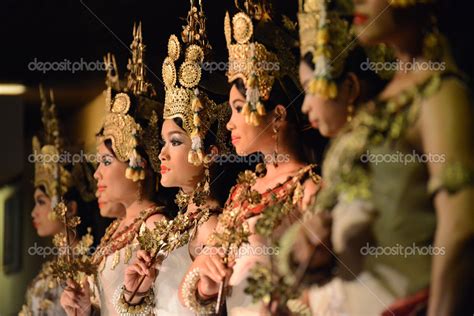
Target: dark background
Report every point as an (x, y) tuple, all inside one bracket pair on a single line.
[(85, 30), (54, 30)]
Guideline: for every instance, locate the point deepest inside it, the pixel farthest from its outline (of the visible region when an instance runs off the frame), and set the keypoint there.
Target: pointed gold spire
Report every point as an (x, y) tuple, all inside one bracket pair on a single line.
[(136, 81)]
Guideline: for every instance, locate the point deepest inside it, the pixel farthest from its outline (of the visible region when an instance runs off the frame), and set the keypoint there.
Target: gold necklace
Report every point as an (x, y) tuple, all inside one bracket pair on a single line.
[(124, 237), (171, 234)]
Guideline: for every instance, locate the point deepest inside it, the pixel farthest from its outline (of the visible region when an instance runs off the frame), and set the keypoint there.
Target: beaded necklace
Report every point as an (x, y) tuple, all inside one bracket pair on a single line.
[(245, 202), (123, 238)]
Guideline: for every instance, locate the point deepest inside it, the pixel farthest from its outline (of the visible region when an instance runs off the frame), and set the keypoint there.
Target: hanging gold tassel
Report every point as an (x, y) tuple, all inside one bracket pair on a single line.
[(261, 109)]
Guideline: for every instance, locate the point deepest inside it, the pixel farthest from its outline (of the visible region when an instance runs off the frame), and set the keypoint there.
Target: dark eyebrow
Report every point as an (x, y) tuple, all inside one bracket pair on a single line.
[(175, 132), (40, 195), (237, 100), (105, 155)]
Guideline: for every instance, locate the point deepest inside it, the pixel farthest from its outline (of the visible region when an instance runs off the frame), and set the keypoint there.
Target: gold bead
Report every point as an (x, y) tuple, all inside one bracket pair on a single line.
[(332, 90), (196, 105), (322, 37), (196, 120), (246, 109), (261, 109), (128, 173), (254, 120), (252, 81), (313, 86)]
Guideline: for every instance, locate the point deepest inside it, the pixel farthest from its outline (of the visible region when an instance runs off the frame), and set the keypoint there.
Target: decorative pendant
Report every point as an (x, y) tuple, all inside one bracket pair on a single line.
[(116, 260), (128, 254), (103, 264)]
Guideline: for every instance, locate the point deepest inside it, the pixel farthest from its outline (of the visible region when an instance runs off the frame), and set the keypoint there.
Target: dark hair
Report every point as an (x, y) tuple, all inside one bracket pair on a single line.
[(309, 144), (371, 83)]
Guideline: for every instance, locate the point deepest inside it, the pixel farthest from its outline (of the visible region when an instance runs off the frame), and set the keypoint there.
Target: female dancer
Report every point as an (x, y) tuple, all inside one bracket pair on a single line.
[(399, 201), (265, 119), (193, 136), (43, 294), (127, 174)]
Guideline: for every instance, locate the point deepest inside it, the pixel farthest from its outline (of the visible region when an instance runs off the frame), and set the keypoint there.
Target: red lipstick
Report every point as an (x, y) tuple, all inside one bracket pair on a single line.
[(360, 18)]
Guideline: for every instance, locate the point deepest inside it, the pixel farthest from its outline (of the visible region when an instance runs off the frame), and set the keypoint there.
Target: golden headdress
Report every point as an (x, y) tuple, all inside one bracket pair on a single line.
[(49, 171), (128, 106), (252, 61), (326, 33), (184, 99)]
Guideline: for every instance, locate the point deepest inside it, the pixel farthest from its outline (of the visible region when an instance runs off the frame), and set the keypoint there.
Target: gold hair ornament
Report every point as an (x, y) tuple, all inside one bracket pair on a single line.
[(183, 97), (120, 125), (328, 36), (49, 171)]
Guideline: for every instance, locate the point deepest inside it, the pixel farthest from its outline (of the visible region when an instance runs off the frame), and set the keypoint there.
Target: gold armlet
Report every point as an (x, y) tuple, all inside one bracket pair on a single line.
[(453, 178)]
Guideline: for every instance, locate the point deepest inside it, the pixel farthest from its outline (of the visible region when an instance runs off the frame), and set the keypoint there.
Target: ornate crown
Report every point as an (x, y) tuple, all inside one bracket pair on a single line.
[(326, 34), (126, 107), (183, 98), (252, 61), (49, 172)]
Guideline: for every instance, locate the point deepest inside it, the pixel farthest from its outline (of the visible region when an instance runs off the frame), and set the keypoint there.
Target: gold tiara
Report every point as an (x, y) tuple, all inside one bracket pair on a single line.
[(328, 36), (259, 63), (120, 125), (49, 171), (183, 98), (252, 62)]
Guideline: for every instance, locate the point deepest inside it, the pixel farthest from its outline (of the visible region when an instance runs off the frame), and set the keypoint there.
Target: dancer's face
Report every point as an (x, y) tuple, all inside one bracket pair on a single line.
[(44, 225), (111, 180), (176, 170), (327, 115), (107, 208), (374, 21), (246, 138)]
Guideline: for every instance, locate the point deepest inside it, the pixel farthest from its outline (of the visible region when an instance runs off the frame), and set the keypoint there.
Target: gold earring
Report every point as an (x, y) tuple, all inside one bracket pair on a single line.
[(203, 189), (140, 191), (275, 152), (207, 179), (350, 112), (432, 48)]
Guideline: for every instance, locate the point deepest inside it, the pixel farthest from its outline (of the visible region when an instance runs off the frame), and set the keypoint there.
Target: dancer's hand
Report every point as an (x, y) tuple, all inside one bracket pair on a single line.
[(134, 272), (212, 271), (76, 300)]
